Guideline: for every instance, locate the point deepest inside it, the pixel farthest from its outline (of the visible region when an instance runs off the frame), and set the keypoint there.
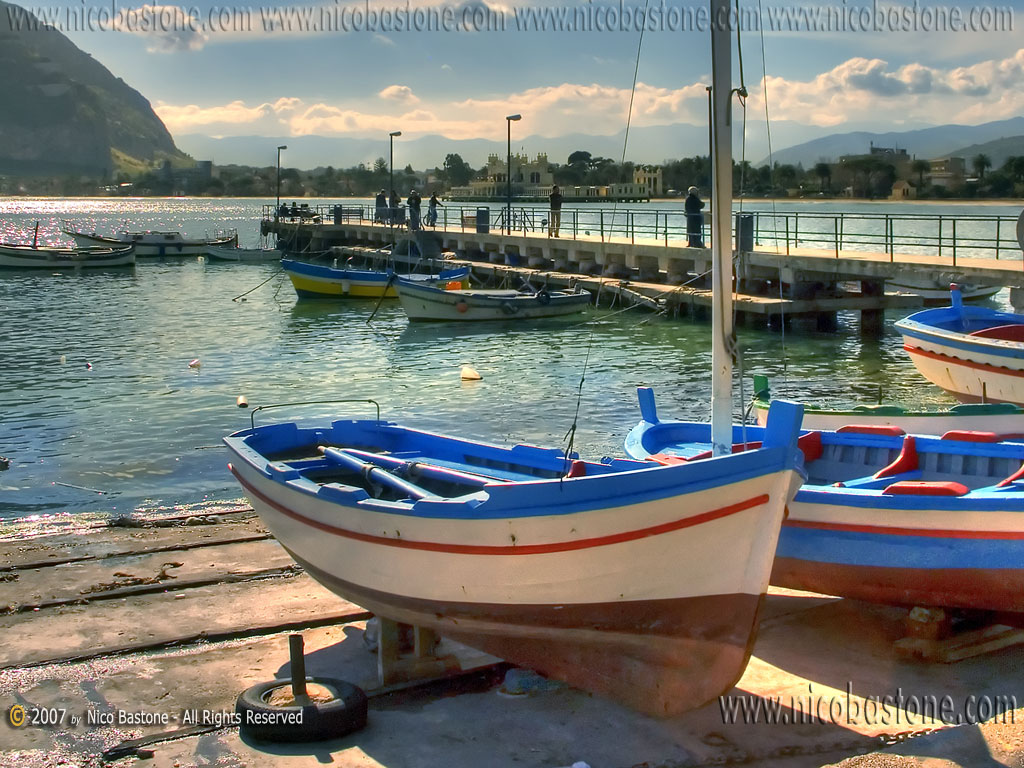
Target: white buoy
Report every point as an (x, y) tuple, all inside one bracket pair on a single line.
[(469, 374), (241, 402), (194, 363), (63, 359)]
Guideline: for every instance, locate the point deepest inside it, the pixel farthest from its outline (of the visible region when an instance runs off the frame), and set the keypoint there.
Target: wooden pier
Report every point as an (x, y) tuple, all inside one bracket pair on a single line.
[(771, 285)]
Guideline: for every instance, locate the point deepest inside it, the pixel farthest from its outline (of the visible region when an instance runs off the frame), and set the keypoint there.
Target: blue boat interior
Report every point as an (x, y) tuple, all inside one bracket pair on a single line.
[(857, 458), (349, 462)]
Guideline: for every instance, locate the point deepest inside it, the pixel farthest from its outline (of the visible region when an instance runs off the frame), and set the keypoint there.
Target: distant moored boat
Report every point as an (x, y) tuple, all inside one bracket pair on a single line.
[(153, 244), (27, 257)]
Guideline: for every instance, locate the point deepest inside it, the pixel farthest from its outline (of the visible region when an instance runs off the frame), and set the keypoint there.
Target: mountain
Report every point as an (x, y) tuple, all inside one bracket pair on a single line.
[(64, 112), (651, 144), (997, 151), (925, 143)]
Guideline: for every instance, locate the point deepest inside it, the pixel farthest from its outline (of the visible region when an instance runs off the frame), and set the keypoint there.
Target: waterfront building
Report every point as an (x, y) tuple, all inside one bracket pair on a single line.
[(947, 172)]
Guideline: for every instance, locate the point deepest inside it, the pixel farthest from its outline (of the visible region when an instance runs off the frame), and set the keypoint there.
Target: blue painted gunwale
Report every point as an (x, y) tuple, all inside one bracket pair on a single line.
[(616, 483)]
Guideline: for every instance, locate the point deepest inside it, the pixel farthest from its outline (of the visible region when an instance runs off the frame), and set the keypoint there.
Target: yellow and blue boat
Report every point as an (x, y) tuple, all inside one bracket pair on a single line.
[(322, 281)]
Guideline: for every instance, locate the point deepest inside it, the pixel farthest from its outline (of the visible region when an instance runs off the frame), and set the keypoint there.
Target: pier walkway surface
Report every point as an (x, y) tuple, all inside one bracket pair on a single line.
[(173, 615)]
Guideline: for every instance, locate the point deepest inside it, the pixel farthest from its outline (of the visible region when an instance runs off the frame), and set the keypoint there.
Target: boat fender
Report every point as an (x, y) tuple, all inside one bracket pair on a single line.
[(543, 298), (509, 308), (461, 307)]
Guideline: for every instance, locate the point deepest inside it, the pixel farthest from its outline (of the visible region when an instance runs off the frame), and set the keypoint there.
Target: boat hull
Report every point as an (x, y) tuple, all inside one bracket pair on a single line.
[(424, 303), (918, 423), (321, 281), (153, 245), (218, 253), (26, 257), (975, 353), (937, 291), (614, 583), (953, 538)]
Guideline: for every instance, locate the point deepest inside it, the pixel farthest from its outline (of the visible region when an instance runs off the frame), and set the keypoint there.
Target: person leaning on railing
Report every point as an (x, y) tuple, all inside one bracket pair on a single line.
[(555, 217)]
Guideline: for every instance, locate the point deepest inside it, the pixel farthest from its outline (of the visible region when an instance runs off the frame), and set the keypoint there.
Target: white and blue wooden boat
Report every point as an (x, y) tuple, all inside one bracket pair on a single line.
[(975, 353), (30, 257), (1004, 419), (937, 291), (323, 281), (884, 516), (221, 253), (152, 243), (428, 302), (624, 578)]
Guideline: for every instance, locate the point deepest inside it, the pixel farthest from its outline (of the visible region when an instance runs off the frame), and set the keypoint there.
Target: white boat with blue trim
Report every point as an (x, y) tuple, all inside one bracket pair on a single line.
[(885, 516), (153, 243), (45, 257), (624, 578), (1003, 419), (974, 353), (427, 302), (223, 253)]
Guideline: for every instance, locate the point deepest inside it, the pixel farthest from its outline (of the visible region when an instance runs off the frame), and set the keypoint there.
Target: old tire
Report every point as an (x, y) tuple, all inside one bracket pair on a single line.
[(344, 714)]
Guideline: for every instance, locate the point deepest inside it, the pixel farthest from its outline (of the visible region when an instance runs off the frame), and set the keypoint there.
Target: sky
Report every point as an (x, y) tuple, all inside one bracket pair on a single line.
[(273, 70)]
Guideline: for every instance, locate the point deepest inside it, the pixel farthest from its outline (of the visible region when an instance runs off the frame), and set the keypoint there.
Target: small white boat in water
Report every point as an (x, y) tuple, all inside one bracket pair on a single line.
[(221, 253), (28, 257), (154, 244), (937, 291), (426, 302)]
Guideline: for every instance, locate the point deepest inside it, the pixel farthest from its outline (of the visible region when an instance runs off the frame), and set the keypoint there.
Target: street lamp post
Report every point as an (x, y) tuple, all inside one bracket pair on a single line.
[(391, 168), (277, 210), (508, 210)]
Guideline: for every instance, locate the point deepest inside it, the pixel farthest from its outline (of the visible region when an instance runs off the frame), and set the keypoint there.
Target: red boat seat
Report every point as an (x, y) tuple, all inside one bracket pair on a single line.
[(664, 458), (905, 462), (810, 444), (972, 436), (873, 429), (1012, 332), (577, 469), (926, 488)]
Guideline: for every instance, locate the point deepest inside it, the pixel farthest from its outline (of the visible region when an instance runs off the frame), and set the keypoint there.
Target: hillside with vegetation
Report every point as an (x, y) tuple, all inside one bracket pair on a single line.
[(65, 113)]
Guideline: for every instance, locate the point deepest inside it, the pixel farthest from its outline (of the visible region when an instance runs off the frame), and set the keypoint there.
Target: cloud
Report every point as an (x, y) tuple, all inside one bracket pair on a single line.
[(399, 93), (446, 67), (856, 90), (168, 28)]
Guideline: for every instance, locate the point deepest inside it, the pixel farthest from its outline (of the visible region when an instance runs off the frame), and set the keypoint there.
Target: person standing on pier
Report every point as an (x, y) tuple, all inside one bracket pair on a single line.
[(555, 217), (414, 209), (382, 207), (694, 218), (393, 202), (432, 210)]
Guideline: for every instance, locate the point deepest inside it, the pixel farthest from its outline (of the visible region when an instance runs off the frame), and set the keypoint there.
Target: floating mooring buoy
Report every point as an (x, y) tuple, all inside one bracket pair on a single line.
[(469, 374)]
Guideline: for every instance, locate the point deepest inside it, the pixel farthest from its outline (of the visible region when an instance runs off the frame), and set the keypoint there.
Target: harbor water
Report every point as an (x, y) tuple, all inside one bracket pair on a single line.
[(101, 412)]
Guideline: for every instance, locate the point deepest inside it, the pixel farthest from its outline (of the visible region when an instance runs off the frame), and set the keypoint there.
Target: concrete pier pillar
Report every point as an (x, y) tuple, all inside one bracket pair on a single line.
[(872, 321)]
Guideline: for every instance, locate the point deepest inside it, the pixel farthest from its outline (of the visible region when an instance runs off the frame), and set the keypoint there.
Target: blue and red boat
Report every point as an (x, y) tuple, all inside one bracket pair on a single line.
[(885, 516), (974, 353)]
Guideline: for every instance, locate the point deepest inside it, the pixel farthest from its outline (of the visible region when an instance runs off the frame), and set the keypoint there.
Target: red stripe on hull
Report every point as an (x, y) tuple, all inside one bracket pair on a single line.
[(965, 363), (661, 657), (891, 531), (522, 549), (968, 588)]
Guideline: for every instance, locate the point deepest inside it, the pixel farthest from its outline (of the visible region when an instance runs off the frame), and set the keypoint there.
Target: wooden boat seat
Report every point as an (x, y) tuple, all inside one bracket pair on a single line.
[(872, 429), (926, 488), (873, 483), (1011, 332)]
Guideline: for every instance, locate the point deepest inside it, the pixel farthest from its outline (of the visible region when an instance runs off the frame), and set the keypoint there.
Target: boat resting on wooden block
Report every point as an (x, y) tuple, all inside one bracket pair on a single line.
[(884, 516), (425, 302), (29, 257), (1005, 419), (627, 579), (323, 281)]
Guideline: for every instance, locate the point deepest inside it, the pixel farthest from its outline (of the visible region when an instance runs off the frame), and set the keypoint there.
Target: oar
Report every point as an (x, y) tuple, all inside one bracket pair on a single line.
[(374, 473), (422, 469)]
